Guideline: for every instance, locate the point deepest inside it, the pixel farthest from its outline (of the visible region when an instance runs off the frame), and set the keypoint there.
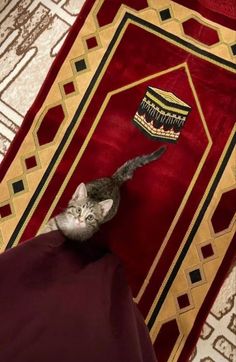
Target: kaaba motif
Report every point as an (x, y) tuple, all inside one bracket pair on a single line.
[(161, 115)]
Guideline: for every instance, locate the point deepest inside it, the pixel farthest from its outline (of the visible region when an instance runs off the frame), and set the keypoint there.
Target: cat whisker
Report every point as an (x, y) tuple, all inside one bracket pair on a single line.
[(96, 202)]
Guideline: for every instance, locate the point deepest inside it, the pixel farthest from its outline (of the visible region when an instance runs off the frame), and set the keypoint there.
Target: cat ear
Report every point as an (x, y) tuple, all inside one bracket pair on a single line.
[(80, 192), (106, 206)]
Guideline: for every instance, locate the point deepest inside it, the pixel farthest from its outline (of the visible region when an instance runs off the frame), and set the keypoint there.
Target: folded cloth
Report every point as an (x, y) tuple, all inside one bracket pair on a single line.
[(61, 302)]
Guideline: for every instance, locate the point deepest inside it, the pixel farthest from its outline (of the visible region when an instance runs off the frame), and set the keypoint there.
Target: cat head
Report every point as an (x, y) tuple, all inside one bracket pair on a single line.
[(83, 215)]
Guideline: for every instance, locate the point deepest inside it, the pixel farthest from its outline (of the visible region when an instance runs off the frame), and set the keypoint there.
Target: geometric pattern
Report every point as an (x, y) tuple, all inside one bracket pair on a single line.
[(73, 81), (80, 65), (91, 42), (226, 207), (165, 14), (217, 339), (5, 210), (68, 88), (233, 48), (185, 299), (51, 123), (225, 347), (184, 302), (30, 162), (18, 186), (66, 18), (195, 276), (158, 117), (171, 329), (207, 251), (200, 32)]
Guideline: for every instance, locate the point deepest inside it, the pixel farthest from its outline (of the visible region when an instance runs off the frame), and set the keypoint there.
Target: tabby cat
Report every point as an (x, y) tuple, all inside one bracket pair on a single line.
[(96, 202)]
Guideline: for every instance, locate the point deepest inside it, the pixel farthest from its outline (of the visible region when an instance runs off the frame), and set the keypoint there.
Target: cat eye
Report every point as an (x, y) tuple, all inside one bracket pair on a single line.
[(78, 210), (90, 217)]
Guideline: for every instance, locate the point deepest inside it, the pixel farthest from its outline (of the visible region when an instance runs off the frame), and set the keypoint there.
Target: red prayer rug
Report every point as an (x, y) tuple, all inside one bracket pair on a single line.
[(131, 77)]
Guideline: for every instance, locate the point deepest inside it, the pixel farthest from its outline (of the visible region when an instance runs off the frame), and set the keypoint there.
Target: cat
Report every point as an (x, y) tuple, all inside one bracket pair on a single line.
[(96, 202)]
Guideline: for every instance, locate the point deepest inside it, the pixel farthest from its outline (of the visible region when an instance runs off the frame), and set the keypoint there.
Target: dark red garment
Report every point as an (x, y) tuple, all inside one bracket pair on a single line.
[(59, 302)]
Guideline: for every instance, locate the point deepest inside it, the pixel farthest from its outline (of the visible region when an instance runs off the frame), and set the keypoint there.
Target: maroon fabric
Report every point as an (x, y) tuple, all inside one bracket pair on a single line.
[(211, 10), (200, 32), (109, 9), (63, 303), (225, 207)]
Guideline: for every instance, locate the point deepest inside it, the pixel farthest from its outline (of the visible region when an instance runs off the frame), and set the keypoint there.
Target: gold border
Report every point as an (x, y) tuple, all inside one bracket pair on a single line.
[(5, 218), (204, 23), (69, 140), (189, 50), (232, 222), (185, 309), (77, 59), (87, 37), (143, 14), (209, 267), (168, 6), (97, 119), (200, 255), (187, 194), (10, 186), (62, 90), (190, 227), (200, 282), (28, 155)]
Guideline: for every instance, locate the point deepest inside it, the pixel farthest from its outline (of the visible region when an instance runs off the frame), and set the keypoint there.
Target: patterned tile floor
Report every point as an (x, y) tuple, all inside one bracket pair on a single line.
[(31, 34)]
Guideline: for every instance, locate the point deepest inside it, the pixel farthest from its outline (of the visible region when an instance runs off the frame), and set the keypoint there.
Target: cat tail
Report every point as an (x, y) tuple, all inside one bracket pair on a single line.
[(125, 172)]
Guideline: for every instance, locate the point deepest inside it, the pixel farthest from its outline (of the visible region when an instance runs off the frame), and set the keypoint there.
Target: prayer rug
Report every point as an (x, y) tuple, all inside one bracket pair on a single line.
[(129, 78)]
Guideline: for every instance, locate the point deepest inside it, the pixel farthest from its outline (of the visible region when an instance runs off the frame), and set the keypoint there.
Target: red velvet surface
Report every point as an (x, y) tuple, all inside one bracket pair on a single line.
[(224, 212), (226, 7), (153, 197), (200, 32), (53, 117), (151, 200), (212, 10), (108, 9)]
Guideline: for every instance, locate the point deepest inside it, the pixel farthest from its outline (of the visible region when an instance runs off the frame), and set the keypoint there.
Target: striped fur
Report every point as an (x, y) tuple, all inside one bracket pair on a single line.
[(96, 202)]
